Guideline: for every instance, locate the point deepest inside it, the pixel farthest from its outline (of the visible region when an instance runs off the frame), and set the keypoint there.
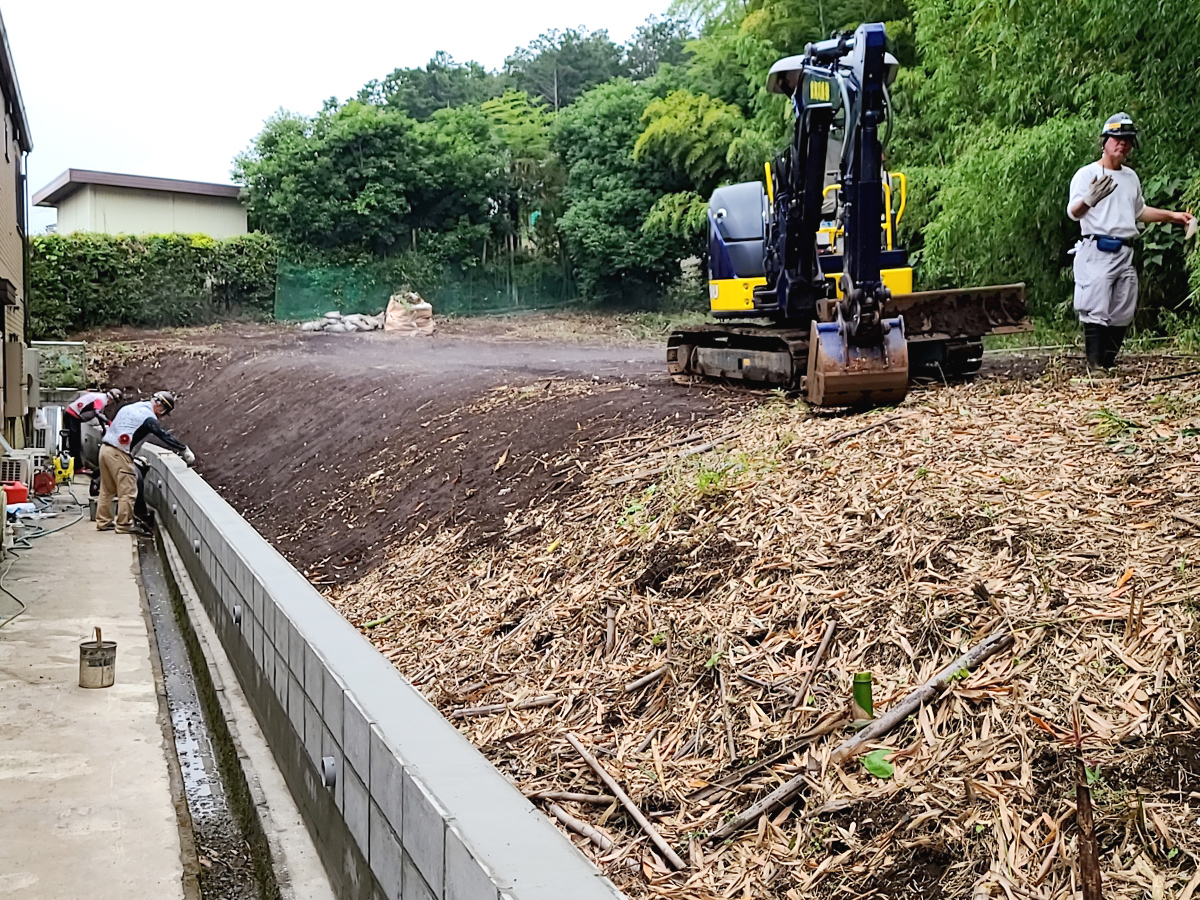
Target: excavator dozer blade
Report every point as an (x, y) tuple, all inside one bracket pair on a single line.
[(842, 374)]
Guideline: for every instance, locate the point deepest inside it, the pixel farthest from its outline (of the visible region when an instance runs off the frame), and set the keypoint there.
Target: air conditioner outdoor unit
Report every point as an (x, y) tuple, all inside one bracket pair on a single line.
[(17, 466)]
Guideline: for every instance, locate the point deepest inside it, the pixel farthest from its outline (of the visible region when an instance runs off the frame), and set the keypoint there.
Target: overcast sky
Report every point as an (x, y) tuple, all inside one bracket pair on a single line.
[(176, 90)]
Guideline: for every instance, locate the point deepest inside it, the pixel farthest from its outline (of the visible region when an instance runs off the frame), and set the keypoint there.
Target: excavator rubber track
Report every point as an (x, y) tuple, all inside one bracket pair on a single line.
[(942, 338)]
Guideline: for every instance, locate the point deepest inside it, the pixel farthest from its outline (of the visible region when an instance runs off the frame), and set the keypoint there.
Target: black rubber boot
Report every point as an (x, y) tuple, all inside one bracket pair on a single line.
[(1114, 337), (1094, 344)]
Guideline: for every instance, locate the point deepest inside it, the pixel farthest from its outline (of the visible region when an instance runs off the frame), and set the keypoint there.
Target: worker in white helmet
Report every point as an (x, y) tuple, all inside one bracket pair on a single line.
[(89, 406), (118, 475), (1106, 200)]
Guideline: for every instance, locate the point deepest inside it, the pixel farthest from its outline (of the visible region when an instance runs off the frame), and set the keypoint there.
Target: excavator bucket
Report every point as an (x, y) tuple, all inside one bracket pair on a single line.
[(842, 374)]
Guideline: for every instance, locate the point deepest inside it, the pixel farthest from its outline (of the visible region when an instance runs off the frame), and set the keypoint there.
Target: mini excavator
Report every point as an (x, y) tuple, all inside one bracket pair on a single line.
[(813, 251)]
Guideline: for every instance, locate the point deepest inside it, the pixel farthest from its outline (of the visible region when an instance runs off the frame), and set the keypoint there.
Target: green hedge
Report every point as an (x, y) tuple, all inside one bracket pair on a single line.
[(81, 281)]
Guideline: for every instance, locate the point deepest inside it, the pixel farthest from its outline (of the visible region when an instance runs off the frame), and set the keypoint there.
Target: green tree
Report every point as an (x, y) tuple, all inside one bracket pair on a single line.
[(338, 181), (656, 43), (441, 84), (534, 174), (609, 194), (560, 65), (995, 75)]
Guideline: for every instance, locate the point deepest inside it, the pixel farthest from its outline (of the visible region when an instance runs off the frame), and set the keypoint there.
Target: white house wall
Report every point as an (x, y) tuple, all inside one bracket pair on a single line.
[(113, 210)]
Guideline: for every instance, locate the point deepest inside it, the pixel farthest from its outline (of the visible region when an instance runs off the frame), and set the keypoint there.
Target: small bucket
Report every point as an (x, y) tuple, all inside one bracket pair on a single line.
[(97, 663)]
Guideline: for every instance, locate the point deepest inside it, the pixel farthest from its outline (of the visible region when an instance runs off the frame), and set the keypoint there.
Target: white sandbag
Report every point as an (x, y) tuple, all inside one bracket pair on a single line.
[(333, 314), (335, 328), (312, 326)]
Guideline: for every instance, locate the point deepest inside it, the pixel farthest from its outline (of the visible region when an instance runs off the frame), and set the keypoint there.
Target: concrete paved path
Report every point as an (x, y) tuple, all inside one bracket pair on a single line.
[(86, 806)]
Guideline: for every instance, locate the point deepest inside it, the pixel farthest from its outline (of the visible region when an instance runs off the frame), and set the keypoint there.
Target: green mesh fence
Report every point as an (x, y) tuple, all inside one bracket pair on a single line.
[(308, 292)]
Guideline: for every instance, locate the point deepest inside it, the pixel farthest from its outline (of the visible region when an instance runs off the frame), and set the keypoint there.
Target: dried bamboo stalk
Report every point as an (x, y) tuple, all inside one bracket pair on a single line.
[(630, 807), (728, 718), (758, 682), (648, 679), (802, 694), (1089, 850), (731, 781), (548, 700), (570, 797), (881, 726), (580, 827)]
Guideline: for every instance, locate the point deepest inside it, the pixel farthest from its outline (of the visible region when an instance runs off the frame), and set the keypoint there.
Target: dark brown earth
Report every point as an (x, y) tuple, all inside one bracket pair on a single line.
[(334, 446)]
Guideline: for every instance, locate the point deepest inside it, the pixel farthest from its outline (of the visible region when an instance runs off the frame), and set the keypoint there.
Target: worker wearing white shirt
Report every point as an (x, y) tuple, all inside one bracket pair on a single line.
[(1106, 200)]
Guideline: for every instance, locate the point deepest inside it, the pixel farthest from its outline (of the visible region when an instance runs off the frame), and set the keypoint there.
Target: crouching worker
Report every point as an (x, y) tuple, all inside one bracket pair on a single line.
[(88, 406), (1106, 200), (118, 475)]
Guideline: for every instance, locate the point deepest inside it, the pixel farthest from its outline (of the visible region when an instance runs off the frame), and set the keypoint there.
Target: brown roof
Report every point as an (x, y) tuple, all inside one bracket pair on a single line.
[(72, 180), (12, 92)]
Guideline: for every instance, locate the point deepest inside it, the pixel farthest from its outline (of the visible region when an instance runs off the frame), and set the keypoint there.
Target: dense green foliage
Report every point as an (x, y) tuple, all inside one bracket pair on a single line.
[(82, 281), (608, 195), (591, 158)]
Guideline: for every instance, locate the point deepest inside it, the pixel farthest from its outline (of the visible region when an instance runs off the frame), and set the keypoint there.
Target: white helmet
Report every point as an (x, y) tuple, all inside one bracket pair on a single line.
[(166, 399)]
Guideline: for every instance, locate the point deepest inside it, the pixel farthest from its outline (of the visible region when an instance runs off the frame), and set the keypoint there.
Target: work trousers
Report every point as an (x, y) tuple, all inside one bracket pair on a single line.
[(1106, 285), (118, 477), (74, 428)]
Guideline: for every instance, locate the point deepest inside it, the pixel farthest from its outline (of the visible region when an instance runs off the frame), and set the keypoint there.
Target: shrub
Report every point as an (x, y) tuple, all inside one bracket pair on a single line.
[(84, 280)]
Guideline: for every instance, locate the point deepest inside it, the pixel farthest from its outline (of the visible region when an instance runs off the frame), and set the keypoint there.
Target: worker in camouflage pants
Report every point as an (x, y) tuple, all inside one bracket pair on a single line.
[(1106, 200)]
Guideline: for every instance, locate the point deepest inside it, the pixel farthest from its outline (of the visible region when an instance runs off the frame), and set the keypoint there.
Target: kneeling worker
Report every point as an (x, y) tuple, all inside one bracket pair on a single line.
[(118, 476), (87, 406)]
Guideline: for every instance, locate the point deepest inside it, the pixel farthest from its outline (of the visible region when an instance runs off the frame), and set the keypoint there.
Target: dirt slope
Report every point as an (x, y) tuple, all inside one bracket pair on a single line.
[(335, 446)]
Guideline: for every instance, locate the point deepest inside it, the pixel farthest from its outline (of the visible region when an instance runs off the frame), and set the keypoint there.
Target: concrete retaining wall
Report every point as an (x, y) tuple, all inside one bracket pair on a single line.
[(414, 811)]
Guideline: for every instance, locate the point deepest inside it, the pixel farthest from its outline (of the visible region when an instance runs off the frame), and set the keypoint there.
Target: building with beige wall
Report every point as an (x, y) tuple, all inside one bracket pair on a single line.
[(15, 380), (109, 203)]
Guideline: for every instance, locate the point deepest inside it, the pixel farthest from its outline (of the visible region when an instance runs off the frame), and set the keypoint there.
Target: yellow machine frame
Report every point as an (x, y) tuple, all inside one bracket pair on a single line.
[(737, 294)]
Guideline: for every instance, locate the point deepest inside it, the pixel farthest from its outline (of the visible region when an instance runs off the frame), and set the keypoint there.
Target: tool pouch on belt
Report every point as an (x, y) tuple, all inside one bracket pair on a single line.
[(1107, 244)]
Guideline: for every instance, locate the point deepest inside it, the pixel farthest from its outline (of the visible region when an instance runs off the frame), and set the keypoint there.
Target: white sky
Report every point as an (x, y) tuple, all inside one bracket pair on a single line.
[(176, 90)]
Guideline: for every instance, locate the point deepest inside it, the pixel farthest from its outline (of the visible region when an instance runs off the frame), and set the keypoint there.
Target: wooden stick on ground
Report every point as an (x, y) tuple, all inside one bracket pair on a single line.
[(580, 827), (610, 631), (648, 679), (630, 807), (729, 782), (548, 700), (881, 726), (770, 686), (1089, 850), (845, 435), (728, 718), (570, 797), (1183, 517), (802, 694)]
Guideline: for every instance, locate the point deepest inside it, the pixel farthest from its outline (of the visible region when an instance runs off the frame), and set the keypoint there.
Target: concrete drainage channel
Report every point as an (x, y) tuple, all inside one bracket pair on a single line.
[(229, 866), (397, 803)]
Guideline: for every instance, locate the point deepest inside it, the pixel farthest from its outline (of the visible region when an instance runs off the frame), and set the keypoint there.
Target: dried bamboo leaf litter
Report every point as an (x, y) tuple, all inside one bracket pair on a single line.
[(1048, 508)]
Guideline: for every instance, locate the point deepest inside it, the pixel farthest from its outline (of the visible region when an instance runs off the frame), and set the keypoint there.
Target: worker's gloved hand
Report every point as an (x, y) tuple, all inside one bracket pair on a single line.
[(1101, 187), (188, 456)]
